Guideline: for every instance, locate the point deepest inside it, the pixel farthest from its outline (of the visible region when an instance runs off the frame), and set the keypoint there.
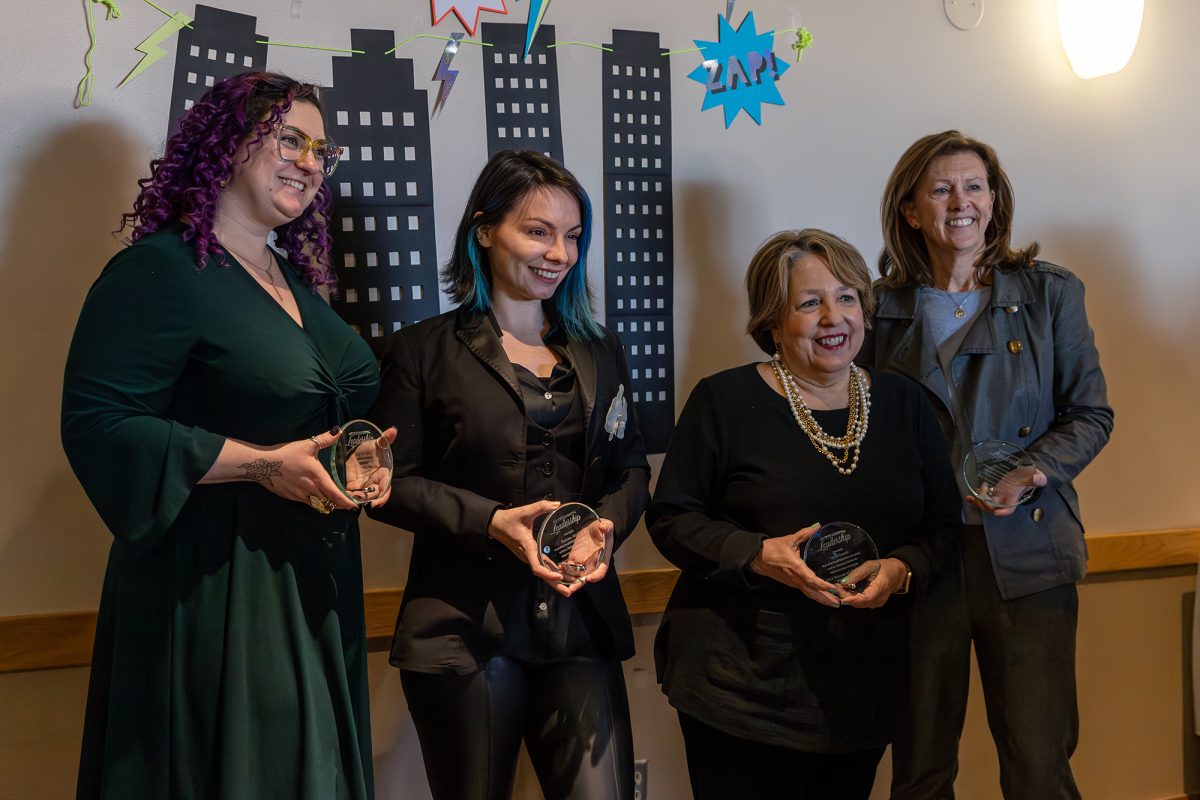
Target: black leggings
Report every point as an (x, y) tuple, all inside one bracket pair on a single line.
[(722, 767), (572, 715)]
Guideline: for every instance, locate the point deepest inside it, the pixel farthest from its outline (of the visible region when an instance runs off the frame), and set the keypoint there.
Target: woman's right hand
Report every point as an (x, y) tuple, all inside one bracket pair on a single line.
[(513, 528), (779, 559), (301, 473), (290, 470)]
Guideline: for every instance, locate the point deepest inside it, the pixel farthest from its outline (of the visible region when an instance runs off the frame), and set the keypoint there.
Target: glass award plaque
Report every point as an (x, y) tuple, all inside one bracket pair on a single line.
[(565, 543), (836, 550), (360, 461), (999, 473)]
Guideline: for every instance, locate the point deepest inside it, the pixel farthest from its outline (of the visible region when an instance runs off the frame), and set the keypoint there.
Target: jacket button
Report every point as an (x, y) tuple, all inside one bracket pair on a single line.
[(1015, 346), (1038, 514), (547, 439), (1025, 430), (548, 396), (1011, 309), (548, 469)]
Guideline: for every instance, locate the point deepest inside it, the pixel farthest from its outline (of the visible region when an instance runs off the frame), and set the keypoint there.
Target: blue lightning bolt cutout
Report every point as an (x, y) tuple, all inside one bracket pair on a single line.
[(537, 10), (445, 74), (739, 70), (150, 45)]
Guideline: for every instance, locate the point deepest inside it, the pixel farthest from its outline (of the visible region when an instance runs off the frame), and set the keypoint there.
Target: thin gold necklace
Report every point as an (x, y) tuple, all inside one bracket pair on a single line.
[(267, 271), (856, 423)]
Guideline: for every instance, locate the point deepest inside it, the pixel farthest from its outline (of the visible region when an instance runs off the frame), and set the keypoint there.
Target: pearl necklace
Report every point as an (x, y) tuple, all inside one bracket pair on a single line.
[(856, 424)]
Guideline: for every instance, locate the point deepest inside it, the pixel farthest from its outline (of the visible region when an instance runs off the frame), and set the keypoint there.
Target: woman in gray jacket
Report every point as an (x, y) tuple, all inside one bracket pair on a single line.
[(1002, 346)]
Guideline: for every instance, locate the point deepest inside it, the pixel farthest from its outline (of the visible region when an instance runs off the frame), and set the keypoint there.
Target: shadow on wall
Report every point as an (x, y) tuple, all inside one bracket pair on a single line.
[(712, 339), (67, 200), (1150, 363)]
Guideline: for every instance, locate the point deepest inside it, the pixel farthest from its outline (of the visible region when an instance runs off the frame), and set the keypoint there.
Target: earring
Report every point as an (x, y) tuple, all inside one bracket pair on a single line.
[(223, 183)]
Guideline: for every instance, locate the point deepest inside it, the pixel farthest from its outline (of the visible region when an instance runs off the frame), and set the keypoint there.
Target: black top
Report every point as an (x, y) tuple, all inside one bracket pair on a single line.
[(753, 657), (462, 452), (545, 626)]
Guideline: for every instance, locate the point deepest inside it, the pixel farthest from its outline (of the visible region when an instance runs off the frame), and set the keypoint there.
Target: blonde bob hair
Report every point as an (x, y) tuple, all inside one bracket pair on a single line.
[(905, 258), (771, 267)]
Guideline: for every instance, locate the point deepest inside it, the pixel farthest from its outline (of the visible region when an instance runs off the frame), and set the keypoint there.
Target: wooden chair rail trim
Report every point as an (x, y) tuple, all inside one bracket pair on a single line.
[(64, 639)]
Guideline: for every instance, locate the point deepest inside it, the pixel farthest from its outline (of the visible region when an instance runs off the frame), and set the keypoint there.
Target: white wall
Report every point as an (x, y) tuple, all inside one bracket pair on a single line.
[(1104, 171)]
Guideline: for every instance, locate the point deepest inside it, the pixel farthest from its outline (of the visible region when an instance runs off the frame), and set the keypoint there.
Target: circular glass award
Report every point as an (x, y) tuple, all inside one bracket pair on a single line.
[(360, 461), (999, 473), (568, 544), (837, 549)]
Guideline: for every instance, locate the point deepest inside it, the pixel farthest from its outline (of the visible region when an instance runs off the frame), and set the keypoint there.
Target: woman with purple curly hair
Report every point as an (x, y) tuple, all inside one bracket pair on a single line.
[(204, 377)]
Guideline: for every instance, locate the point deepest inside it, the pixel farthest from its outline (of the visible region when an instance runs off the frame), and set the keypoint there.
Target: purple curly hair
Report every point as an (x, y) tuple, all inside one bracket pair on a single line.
[(185, 183)]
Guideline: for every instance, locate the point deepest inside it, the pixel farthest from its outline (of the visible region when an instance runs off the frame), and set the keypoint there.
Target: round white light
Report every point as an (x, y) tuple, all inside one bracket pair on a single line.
[(1099, 35)]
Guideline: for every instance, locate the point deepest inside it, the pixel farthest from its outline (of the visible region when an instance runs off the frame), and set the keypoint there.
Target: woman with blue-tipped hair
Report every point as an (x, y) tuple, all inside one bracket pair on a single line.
[(507, 407)]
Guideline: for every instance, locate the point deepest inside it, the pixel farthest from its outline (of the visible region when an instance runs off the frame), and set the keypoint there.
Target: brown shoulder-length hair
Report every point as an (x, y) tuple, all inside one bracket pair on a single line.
[(771, 266), (905, 258)]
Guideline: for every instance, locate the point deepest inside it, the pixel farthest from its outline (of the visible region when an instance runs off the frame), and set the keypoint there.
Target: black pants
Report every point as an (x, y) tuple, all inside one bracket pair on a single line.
[(1026, 653), (573, 717), (724, 767)]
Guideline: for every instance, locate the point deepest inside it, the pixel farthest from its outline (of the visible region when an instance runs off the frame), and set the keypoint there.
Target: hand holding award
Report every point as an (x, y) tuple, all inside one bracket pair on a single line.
[(1000, 475), (360, 461)]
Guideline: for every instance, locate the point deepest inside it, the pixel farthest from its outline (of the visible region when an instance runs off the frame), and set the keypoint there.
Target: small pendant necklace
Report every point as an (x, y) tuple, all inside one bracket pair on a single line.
[(959, 311), (266, 271)]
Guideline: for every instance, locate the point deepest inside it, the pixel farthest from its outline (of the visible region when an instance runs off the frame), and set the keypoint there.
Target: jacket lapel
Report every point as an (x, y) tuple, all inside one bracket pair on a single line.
[(478, 331)]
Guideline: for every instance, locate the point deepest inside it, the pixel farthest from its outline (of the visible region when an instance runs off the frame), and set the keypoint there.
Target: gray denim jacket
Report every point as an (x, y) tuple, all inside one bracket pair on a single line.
[(1028, 372)]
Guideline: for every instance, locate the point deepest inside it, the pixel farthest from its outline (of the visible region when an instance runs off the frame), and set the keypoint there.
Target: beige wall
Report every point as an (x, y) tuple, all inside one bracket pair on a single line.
[(1105, 176)]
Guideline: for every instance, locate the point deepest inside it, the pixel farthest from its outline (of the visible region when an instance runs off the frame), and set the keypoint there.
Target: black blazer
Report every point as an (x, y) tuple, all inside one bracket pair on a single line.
[(453, 395)]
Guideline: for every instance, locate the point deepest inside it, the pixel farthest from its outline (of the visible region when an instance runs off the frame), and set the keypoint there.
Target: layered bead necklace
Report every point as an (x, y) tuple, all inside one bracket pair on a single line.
[(856, 424)]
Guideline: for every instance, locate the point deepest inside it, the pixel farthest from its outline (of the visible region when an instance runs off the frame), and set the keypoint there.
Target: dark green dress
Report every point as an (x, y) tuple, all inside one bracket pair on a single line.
[(230, 657)]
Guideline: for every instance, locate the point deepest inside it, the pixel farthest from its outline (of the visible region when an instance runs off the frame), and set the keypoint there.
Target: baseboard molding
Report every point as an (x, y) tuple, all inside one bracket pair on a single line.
[(64, 639)]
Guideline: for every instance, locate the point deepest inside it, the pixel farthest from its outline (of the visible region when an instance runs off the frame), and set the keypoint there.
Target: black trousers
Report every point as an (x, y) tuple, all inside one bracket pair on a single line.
[(725, 767), (1026, 653), (573, 717)]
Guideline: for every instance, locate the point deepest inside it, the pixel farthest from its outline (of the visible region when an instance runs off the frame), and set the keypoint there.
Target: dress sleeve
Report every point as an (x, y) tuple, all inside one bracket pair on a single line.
[(627, 486), (1083, 418), (130, 346), (683, 519), (419, 503), (941, 522)]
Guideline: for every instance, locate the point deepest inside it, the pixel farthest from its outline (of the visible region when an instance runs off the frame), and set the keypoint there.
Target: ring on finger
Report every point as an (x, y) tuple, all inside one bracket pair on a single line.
[(322, 504), (313, 439)]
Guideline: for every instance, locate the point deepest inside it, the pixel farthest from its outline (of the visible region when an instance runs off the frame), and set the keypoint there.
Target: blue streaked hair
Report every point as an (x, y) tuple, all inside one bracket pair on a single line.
[(504, 184)]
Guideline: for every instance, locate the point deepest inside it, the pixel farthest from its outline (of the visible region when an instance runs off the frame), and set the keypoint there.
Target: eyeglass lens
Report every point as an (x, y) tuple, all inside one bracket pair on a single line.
[(294, 145)]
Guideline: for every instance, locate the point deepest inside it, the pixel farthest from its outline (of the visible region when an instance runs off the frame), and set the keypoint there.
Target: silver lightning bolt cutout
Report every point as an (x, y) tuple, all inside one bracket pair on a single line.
[(446, 75)]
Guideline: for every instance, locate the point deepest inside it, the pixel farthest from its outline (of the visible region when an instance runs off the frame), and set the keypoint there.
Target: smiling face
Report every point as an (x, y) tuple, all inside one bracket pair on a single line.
[(531, 250), (822, 326), (268, 192), (952, 206)]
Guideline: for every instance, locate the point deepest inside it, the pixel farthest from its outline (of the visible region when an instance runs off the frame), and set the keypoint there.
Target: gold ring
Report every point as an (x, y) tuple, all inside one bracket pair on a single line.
[(322, 504), (313, 439)]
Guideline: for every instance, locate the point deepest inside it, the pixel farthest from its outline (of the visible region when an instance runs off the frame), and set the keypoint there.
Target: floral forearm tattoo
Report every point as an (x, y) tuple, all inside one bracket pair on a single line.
[(261, 470)]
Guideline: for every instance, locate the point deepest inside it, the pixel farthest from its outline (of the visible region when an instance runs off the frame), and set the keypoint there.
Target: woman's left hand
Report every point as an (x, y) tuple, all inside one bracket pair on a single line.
[(594, 543), (1035, 478), (884, 577), (384, 487)]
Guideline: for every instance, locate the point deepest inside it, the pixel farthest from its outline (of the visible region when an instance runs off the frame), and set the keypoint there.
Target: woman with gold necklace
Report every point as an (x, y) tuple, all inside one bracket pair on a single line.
[(1001, 345), (786, 684)]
